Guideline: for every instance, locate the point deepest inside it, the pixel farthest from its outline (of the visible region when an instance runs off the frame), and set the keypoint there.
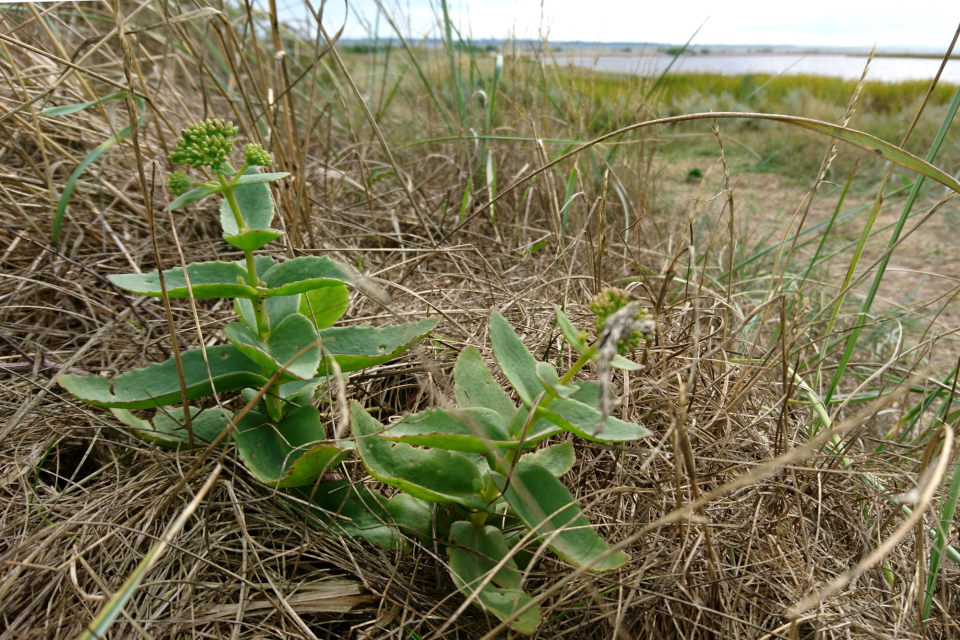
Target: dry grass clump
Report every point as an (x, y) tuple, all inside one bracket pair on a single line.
[(81, 502)]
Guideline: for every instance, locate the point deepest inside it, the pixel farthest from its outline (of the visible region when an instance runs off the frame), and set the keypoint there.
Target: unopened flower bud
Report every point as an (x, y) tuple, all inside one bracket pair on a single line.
[(255, 156), (205, 144), (636, 328), (179, 183)]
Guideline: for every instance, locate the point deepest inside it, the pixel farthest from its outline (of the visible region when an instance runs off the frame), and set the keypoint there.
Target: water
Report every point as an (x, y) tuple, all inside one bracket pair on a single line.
[(837, 66)]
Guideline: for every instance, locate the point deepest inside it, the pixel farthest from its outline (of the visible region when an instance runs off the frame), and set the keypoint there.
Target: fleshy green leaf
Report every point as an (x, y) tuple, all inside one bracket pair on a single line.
[(289, 454), (325, 306), (582, 420), (299, 393), (547, 508), (192, 196), (168, 427), (157, 384), (539, 429), (619, 362), (303, 274), (253, 239), (516, 361), (557, 459), (475, 430), (207, 279), (278, 308), (569, 331), (357, 348), (473, 554), (588, 393), (551, 382), (475, 386), (252, 176), (284, 342), (351, 509), (412, 516), (256, 208), (428, 474)]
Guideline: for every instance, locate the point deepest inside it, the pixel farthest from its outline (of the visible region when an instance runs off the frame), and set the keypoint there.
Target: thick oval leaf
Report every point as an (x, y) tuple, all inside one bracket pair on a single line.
[(298, 393), (158, 385), (475, 386), (475, 430), (570, 332), (429, 474), (588, 393), (412, 517), (547, 508), (349, 509), (582, 420), (192, 196), (207, 279), (557, 459), (278, 308), (303, 274), (356, 348), (516, 361), (539, 429), (256, 208), (252, 176), (325, 306), (289, 454), (253, 239), (551, 382), (473, 554), (285, 341), (263, 264), (168, 427)]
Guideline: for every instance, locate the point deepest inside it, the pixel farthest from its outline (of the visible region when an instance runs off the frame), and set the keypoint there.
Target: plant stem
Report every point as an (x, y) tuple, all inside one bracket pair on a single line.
[(232, 201), (263, 328), (584, 358)]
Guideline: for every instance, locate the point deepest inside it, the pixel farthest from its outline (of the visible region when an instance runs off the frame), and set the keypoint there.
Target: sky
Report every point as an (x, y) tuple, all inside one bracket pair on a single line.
[(920, 24)]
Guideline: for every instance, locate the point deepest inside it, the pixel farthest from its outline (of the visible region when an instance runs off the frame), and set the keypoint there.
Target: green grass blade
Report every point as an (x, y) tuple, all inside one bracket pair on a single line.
[(881, 268), (830, 223), (452, 54), (114, 607), (73, 108), (940, 537), (662, 77), (92, 157), (416, 65), (568, 203)]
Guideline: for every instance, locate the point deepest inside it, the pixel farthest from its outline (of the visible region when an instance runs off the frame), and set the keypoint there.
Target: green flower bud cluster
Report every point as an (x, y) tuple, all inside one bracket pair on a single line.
[(608, 302), (179, 183), (205, 144), (255, 156)]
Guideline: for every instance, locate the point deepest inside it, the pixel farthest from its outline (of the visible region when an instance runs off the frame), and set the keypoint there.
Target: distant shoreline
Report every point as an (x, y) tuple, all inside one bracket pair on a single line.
[(724, 52)]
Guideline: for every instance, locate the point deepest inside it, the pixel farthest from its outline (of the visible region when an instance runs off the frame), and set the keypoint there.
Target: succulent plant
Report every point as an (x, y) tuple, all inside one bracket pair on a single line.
[(282, 343)]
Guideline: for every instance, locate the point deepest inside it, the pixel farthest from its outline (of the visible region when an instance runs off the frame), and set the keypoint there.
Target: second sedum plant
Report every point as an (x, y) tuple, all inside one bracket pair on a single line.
[(283, 345), (497, 499)]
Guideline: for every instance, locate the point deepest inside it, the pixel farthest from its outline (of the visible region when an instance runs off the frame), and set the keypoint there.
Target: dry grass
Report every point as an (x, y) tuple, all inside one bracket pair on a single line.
[(81, 502)]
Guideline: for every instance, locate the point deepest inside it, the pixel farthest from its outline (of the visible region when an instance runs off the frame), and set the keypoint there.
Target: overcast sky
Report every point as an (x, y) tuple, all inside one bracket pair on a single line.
[(858, 23)]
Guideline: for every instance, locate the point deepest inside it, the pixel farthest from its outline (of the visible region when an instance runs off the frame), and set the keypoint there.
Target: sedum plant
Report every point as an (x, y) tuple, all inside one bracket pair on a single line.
[(478, 461), (283, 343)]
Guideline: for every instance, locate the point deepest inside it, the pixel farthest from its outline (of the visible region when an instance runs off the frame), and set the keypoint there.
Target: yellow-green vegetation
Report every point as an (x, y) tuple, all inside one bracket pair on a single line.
[(756, 439)]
